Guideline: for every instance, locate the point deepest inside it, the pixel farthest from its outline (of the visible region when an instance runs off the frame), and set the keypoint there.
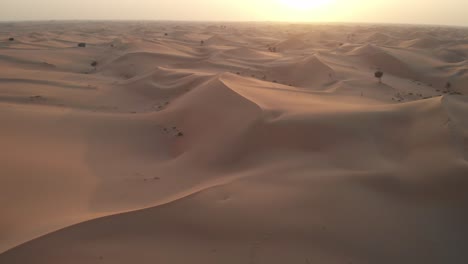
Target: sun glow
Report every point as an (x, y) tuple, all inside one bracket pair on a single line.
[(304, 4)]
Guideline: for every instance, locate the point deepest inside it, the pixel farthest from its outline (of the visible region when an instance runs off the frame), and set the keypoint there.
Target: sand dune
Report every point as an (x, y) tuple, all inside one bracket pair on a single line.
[(380, 58), (310, 71), (250, 54), (170, 150), (293, 43), (218, 41), (423, 43)]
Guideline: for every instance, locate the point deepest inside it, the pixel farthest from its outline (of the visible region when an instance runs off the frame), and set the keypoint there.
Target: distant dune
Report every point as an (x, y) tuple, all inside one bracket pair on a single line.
[(177, 142)]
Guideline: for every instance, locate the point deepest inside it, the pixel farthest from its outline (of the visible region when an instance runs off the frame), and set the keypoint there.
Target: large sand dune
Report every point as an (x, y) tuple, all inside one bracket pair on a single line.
[(265, 143)]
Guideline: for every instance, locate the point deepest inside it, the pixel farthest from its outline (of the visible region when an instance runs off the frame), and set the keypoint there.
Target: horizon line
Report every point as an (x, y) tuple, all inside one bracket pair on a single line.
[(231, 21)]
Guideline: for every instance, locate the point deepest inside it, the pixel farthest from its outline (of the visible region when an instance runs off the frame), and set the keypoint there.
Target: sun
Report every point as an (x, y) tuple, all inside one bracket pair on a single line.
[(304, 4)]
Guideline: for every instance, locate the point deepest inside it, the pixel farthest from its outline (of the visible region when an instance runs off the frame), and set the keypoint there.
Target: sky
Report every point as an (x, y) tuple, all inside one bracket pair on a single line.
[(436, 12)]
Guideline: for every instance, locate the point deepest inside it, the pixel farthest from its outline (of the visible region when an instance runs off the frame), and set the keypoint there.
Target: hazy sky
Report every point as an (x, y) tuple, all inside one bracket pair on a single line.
[(451, 12)]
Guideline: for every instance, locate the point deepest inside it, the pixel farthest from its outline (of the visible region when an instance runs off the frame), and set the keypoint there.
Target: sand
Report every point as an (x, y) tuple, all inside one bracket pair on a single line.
[(170, 150)]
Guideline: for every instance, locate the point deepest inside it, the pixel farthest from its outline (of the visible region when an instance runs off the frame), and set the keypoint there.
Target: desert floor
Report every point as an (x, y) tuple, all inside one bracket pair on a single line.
[(178, 142)]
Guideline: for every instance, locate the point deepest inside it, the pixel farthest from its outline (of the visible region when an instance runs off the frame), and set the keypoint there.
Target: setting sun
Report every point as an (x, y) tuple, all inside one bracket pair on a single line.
[(304, 4)]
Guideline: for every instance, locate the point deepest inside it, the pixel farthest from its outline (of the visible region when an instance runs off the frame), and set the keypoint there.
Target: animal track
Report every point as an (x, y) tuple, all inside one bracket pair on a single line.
[(173, 131), (256, 247)]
